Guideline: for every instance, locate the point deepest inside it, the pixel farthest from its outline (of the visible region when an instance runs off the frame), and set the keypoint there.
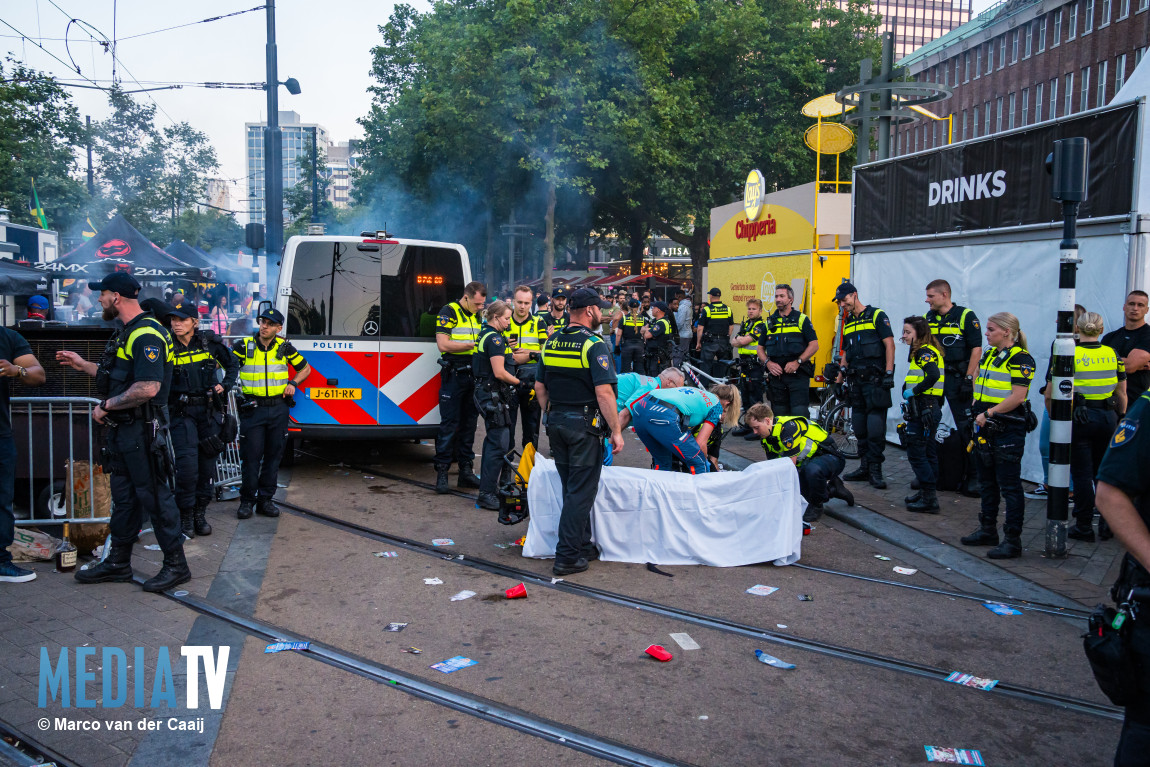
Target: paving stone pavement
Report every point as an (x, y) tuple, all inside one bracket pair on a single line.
[(1084, 575)]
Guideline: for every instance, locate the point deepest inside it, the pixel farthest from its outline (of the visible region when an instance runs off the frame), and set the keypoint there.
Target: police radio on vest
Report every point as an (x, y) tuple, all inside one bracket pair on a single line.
[(977, 187)]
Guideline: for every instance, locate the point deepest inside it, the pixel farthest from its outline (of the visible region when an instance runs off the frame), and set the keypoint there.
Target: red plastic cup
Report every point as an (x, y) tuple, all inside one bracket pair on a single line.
[(517, 592), (658, 652)]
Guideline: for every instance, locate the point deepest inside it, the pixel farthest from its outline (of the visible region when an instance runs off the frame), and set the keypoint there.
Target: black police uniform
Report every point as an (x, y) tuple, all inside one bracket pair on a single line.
[(575, 361), (138, 455), (659, 346), (457, 413), (753, 374), (524, 405), (549, 323), (784, 338), (1124, 467), (493, 399), (631, 343), (817, 461), (716, 320), (921, 413), (198, 414), (870, 386), (1123, 342), (264, 417)]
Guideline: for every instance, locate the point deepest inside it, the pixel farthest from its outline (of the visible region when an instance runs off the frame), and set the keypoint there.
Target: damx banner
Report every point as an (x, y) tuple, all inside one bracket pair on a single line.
[(997, 182)]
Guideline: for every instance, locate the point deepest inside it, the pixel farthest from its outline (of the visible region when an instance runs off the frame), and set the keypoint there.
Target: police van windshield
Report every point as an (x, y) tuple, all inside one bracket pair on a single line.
[(339, 289)]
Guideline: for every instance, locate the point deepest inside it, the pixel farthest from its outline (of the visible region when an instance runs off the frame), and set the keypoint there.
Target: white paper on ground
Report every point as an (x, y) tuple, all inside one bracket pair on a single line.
[(684, 640)]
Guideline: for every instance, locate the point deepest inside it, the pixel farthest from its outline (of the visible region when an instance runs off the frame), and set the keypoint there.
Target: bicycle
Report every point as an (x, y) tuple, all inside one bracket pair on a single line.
[(834, 414)]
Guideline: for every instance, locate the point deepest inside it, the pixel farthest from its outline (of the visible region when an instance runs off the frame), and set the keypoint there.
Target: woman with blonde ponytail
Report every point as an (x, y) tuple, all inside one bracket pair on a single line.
[(1000, 410)]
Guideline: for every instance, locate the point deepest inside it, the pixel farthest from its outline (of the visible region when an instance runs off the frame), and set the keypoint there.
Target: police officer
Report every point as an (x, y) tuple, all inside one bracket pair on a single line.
[(868, 342), (788, 343), (1000, 425), (812, 451), (493, 397), (267, 386), (658, 336), (629, 339), (524, 339), (134, 376), (1099, 394), (456, 332), (197, 404), (557, 316), (959, 334), (576, 389), (713, 332), (746, 343), (922, 406), (1124, 501)]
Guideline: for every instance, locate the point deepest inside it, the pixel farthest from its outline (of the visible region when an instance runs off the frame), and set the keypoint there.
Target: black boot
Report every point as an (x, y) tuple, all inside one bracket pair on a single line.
[(928, 503), (266, 507), (861, 474), (116, 567), (839, 490), (913, 498), (441, 485), (1010, 548), (813, 512), (875, 478), (186, 526), (467, 476), (174, 572), (983, 536), (1081, 533), (245, 510), (199, 518), (488, 501), (741, 431)]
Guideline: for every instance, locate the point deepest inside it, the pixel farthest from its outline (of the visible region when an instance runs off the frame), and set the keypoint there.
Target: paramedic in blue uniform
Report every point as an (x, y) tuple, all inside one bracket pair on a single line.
[(456, 334), (267, 386), (576, 389), (133, 377)]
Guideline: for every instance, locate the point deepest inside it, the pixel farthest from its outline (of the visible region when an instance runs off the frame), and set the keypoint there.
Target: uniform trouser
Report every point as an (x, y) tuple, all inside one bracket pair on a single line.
[(1134, 743), (713, 350), (457, 418), (922, 448), (137, 493), (263, 437), (194, 470), (577, 448), (679, 352), (959, 404), (869, 403), (631, 357), (658, 360), (7, 489), (662, 433), (814, 475), (755, 382), (999, 466), (496, 441), (525, 406), (1088, 443), (790, 394)]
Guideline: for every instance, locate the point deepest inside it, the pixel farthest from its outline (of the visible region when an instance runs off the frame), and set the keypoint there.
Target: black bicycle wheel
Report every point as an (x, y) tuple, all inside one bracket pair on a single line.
[(837, 423)]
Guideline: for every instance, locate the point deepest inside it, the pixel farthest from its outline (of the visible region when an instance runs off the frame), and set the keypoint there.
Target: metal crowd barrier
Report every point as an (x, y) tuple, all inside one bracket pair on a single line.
[(228, 474), (60, 434)]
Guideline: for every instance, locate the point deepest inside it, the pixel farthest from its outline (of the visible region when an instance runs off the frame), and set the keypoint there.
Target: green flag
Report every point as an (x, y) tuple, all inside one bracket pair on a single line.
[(35, 209)]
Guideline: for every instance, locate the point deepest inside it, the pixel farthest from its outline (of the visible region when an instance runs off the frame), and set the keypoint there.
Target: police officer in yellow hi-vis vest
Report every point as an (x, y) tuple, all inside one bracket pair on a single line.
[(922, 394), (788, 343), (267, 386), (629, 339), (456, 334), (524, 338), (133, 378), (1001, 415), (1099, 395)]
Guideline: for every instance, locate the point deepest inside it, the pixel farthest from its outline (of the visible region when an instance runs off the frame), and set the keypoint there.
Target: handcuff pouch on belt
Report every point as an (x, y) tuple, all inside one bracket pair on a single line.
[(494, 401)]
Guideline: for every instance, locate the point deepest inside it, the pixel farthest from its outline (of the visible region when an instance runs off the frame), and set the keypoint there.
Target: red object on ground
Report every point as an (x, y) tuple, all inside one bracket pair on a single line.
[(517, 592), (659, 652)]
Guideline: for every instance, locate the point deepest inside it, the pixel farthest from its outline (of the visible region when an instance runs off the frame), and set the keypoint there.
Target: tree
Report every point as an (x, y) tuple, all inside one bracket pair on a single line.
[(40, 131), (208, 230)]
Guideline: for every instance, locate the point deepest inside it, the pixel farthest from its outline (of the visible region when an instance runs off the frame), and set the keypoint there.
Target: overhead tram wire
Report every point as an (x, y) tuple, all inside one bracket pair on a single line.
[(53, 55), (193, 23)]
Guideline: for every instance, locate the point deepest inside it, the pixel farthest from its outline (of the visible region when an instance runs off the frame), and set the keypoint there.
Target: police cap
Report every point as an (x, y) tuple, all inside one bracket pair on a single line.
[(559, 293), (661, 306), (118, 282), (843, 290), (634, 304), (714, 292), (272, 315), (584, 297)]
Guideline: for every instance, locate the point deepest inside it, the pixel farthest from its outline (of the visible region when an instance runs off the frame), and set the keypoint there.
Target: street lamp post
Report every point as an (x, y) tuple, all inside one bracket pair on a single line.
[(273, 143)]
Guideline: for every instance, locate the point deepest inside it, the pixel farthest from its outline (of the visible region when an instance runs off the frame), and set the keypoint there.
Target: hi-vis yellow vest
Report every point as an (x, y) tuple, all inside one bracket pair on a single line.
[(265, 373), (1095, 372)]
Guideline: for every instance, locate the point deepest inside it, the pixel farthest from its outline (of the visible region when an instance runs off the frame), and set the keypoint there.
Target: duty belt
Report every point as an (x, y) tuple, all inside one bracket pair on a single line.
[(192, 399), (1098, 404), (266, 401)]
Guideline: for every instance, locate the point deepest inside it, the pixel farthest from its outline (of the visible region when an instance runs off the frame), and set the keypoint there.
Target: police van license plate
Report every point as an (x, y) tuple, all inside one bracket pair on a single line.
[(320, 392)]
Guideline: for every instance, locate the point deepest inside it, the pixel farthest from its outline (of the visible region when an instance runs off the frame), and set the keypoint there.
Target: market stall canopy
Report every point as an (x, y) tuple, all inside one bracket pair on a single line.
[(18, 279), (118, 246)]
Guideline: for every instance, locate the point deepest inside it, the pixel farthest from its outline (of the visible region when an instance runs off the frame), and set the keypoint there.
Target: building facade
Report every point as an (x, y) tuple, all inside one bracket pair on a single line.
[(1025, 61), (917, 22), (342, 158), (296, 144)]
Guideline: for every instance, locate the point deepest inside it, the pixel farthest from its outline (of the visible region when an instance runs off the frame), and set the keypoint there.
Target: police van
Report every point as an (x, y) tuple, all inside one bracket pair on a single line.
[(362, 311)]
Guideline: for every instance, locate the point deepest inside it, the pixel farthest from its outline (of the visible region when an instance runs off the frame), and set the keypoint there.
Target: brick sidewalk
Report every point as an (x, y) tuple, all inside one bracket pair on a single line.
[(1084, 575)]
